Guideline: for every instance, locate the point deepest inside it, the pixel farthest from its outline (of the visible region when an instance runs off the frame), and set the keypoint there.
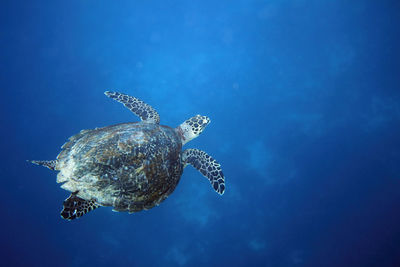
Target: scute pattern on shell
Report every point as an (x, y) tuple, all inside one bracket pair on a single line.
[(130, 166)]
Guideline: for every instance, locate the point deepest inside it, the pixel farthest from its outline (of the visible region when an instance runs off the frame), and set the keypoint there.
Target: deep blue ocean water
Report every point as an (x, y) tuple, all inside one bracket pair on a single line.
[(304, 98)]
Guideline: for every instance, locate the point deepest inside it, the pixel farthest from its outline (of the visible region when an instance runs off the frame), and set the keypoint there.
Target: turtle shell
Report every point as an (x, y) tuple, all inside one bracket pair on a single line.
[(130, 166)]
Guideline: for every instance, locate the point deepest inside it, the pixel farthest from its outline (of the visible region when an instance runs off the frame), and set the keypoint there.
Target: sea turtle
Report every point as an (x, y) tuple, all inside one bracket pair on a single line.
[(130, 166)]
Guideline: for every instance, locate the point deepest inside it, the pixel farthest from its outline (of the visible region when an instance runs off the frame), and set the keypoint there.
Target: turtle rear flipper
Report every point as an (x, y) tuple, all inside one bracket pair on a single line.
[(75, 207), (51, 164), (208, 166), (144, 111)]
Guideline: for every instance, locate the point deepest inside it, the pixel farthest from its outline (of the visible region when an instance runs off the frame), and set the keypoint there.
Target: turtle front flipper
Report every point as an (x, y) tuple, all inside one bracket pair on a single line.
[(51, 164), (75, 207), (208, 166), (144, 111)]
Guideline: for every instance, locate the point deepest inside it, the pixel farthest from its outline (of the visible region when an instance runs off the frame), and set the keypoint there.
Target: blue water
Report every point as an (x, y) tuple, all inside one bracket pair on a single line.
[(304, 100)]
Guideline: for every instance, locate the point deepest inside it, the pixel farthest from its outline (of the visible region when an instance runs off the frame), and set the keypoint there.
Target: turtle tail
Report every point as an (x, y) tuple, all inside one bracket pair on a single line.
[(51, 164)]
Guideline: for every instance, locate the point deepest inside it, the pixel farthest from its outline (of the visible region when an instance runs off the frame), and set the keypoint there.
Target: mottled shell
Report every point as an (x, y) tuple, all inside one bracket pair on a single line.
[(130, 166)]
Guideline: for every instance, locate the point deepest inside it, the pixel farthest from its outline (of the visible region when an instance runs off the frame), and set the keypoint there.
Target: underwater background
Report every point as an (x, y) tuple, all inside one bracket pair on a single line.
[(304, 98)]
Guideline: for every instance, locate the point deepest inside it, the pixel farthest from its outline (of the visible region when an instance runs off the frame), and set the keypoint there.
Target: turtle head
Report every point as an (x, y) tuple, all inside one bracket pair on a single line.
[(192, 128)]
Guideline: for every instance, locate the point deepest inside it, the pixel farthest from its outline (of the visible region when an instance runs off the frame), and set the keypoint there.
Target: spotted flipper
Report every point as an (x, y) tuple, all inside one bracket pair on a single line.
[(51, 164), (208, 166), (137, 106), (75, 207)]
